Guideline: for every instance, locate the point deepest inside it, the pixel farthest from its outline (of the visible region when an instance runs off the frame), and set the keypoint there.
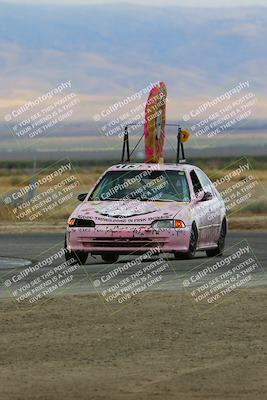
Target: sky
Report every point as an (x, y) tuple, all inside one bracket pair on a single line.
[(204, 3)]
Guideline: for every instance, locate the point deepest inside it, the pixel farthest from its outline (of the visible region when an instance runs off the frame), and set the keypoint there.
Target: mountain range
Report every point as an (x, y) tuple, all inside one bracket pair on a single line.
[(109, 52)]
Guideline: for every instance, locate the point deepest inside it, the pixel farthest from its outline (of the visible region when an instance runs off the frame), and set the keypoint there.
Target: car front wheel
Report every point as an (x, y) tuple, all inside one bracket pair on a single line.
[(77, 256), (220, 244), (192, 246), (110, 257)]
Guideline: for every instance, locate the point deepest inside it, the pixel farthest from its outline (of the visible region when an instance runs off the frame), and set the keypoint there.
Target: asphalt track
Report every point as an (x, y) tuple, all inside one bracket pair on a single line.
[(18, 249)]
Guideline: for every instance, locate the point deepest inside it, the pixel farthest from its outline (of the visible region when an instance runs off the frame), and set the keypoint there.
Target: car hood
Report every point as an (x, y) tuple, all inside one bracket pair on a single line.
[(128, 211)]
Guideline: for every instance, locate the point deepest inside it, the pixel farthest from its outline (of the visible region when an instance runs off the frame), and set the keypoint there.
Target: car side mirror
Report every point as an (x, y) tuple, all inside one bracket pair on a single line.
[(207, 196), (82, 196), (203, 196), (199, 196)]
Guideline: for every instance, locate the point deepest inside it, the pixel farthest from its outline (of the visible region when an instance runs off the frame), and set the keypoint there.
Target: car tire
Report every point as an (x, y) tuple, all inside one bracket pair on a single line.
[(192, 246), (220, 244), (110, 257), (78, 256)]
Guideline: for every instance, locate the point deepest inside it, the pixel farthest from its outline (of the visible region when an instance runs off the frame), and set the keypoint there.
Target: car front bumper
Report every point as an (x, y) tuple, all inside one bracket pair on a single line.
[(127, 239)]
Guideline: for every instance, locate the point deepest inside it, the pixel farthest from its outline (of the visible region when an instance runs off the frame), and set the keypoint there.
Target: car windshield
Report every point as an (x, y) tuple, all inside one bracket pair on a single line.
[(142, 185)]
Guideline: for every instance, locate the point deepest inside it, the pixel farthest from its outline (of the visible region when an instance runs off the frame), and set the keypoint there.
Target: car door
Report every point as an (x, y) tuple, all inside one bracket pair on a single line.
[(213, 217), (202, 211)]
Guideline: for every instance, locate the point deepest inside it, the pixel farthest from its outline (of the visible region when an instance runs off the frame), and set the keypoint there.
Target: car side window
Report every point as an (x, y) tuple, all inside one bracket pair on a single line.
[(205, 182), (195, 182)]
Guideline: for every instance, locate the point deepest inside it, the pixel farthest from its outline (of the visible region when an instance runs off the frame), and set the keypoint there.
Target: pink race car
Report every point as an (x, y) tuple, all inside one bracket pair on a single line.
[(137, 207)]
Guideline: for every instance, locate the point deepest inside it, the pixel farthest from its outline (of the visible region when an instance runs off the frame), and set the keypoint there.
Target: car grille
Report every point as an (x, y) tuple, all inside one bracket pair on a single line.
[(121, 242)]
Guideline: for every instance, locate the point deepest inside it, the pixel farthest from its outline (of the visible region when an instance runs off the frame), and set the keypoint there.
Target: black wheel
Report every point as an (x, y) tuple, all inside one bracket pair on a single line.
[(220, 244), (77, 256), (110, 257), (192, 246)]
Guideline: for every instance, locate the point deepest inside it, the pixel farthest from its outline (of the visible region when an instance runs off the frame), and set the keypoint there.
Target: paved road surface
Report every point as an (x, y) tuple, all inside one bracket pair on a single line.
[(16, 250)]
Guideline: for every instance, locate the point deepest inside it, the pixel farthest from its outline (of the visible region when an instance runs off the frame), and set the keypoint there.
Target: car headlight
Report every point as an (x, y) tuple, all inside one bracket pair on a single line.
[(163, 223), (168, 223), (86, 223)]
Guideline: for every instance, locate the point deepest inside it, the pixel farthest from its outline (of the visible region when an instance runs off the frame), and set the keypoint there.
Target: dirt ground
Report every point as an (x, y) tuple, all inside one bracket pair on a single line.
[(159, 347)]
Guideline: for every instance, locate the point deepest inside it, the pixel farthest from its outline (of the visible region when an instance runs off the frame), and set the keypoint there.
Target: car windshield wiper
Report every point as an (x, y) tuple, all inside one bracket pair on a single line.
[(111, 199), (147, 199), (133, 199), (90, 199), (172, 201)]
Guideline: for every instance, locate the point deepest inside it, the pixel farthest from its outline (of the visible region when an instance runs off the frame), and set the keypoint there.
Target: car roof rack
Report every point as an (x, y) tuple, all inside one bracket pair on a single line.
[(126, 154)]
